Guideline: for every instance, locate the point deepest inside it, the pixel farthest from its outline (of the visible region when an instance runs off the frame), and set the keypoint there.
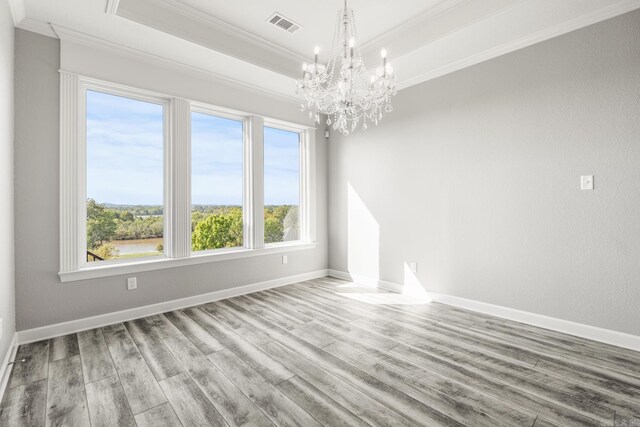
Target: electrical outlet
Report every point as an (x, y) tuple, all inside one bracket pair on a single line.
[(284, 259), (413, 266), (132, 283), (586, 182)]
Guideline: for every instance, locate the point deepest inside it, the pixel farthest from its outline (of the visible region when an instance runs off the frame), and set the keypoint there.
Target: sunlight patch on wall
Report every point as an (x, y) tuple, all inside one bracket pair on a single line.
[(363, 239)]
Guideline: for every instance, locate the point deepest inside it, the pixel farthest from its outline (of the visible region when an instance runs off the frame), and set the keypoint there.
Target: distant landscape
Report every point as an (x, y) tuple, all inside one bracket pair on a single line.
[(130, 231)]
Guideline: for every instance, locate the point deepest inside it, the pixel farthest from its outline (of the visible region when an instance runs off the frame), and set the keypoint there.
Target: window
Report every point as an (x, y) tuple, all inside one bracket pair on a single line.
[(216, 182), (150, 181), (124, 209), (281, 185)]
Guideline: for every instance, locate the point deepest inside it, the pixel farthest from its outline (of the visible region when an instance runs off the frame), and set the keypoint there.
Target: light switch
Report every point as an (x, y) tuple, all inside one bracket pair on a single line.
[(586, 182)]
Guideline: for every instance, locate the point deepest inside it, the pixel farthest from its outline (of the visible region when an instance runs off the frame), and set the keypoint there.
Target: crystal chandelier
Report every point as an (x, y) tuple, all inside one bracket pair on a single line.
[(342, 89)]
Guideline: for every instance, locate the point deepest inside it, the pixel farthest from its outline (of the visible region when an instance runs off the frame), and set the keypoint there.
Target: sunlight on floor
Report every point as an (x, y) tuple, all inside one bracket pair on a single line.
[(372, 295)]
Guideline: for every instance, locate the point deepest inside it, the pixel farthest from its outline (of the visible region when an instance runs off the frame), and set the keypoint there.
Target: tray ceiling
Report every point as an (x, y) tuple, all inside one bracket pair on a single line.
[(232, 39)]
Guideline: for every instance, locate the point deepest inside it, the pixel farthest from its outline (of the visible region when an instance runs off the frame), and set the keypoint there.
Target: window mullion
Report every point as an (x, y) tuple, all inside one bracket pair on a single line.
[(178, 180), (308, 187), (72, 179), (254, 183)]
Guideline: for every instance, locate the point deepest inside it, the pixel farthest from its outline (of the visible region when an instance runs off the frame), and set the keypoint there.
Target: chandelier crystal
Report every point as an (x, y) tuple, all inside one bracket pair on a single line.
[(343, 90)]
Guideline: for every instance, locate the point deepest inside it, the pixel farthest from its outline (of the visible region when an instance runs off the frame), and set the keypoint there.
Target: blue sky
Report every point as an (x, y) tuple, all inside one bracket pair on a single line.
[(125, 156)]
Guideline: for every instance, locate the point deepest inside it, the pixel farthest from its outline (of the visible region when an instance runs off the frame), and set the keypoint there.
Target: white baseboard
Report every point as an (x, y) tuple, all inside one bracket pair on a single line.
[(64, 328), (594, 333), (5, 369)]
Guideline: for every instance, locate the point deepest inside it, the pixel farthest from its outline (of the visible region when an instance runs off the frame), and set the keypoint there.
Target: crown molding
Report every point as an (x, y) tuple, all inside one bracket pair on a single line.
[(411, 25), (112, 7), (589, 18), (412, 34), (17, 9), (231, 29), (69, 35), (211, 32), (36, 26)]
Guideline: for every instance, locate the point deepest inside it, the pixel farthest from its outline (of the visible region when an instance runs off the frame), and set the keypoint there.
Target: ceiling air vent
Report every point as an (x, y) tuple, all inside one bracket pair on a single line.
[(285, 23)]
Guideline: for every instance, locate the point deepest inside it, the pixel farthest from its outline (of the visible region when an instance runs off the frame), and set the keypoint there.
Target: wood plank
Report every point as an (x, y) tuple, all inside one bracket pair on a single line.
[(313, 310), (227, 318), (95, 357), (504, 370), (459, 390), (272, 371), (448, 405), (272, 316), (538, 351), (161, 326), (567, 347), (604, 380), (271, 302), (565, 388), (313, 335), (189, 403), (36, 366), (378, 390), (353, 310), (155, 353), (138, 383), (318, 404), (160, 416), (570, 339), (275, 404), (243, 315), (548, 409), (63, 347), (206, 343), (108, 405), (67, 402), (24, 405), (233, 405), (360, 404)]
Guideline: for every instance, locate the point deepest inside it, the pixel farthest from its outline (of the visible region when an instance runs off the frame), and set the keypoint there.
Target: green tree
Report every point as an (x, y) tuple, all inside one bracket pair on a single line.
[(273, 230), (221, 230), (107, 251), (101, 224)]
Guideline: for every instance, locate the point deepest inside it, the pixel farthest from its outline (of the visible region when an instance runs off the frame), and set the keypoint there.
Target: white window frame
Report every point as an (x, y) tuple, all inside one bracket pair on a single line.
[(177, 183), (247, 217), (85, 85), (305, 165)]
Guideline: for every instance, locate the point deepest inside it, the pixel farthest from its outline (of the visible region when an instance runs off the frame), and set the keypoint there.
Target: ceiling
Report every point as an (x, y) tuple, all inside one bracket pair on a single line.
[(374, 18), (233, 40)]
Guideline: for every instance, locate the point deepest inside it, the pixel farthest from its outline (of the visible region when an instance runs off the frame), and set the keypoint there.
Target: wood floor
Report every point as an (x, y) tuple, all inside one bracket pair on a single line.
[(324, 352)]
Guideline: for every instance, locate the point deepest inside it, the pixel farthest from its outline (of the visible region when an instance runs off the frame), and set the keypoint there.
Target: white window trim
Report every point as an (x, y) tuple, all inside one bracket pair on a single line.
[(306, 138), (247, 218), (177, 183)]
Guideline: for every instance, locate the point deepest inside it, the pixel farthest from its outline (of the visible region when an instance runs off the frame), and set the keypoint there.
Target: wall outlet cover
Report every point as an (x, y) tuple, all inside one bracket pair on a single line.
[(132, 283), (413, 266), (586, 182)]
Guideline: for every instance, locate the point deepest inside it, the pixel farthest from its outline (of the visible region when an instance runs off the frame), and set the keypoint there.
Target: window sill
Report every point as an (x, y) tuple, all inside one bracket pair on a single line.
[(162, 263)]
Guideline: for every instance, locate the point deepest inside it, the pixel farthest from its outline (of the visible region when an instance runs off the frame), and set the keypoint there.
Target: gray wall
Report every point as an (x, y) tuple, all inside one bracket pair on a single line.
[(7, 310), (475, 176), (40, 297)]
